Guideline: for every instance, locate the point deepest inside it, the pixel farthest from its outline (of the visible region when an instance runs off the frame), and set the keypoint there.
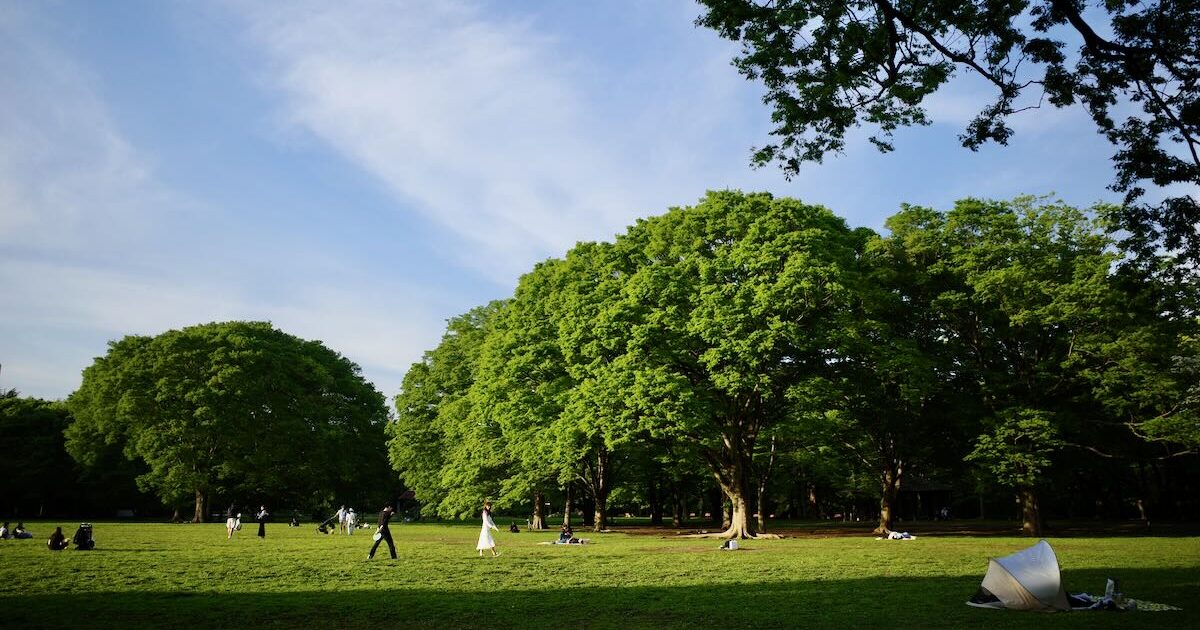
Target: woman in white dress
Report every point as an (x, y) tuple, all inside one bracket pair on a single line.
[(232, 524), (486, 541)]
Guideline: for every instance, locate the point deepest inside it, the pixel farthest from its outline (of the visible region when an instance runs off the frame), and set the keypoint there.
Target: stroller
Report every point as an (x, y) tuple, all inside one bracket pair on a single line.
[(82, 539), (329, 522)]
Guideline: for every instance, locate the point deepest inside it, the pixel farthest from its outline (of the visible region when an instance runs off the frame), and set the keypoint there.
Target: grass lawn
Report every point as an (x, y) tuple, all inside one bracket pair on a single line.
[(159, 575)]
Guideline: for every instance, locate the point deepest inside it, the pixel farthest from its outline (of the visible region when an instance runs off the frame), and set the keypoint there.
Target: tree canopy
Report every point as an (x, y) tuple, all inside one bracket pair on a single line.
[(833, 65), (237, 409)]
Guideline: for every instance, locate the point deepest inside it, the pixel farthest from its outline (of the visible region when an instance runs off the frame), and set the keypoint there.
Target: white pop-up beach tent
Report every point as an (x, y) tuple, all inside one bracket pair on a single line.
[(1026, 580)]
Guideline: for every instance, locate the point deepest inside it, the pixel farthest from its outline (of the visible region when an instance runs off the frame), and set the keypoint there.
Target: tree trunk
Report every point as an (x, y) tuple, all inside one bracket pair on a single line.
[(735, 482), (890, 488), (678, 509), (201, 507), (587, 508), (1031, 513), (596, 479), (538, 522), (567, 507), (656, 502), (600, 500), (761, 498), (761, 508)]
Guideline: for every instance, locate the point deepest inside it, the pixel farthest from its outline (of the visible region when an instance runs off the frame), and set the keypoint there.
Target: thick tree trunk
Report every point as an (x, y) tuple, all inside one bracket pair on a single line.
[(889, 490), (735, 482), (201, 515), (1031, 512), (538, 522)]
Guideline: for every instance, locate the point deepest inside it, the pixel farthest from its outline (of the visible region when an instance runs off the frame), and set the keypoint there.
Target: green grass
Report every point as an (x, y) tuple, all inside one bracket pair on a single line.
[(163, 575)]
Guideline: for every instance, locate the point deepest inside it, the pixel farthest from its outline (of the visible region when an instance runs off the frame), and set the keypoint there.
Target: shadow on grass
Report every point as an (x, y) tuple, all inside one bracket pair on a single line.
[(785, 603)]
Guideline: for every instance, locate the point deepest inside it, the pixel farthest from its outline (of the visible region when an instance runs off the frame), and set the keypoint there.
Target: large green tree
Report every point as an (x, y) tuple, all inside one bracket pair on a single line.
[(729, 318), (239, 409), (833, 65)]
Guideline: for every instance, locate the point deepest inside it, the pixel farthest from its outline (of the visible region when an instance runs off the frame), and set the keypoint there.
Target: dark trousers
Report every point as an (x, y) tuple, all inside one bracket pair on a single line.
[(262, 529), (386, 535)]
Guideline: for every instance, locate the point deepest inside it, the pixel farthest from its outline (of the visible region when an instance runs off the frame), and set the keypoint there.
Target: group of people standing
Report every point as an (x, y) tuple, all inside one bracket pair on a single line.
[(347, 520)]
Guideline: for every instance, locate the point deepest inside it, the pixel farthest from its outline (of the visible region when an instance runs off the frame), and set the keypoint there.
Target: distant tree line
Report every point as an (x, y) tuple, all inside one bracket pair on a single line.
[(753, 355)]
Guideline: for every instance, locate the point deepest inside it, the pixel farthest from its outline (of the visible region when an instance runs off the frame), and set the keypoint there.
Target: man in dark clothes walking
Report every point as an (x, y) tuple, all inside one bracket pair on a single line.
[(384, 533)]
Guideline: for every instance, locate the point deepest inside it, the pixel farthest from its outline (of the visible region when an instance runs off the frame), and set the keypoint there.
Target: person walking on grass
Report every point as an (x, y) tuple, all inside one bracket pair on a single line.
[(262, 521), (383, 533), (486, 541)]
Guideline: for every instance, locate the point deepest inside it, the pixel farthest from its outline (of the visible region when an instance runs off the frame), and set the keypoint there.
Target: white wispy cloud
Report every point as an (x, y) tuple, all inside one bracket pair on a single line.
[(509, 138)]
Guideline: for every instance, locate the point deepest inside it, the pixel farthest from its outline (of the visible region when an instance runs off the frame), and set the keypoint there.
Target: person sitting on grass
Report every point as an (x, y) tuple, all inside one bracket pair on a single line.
[(4, 533), (21, 532), (513, 528), (565, 535), (58, 540)]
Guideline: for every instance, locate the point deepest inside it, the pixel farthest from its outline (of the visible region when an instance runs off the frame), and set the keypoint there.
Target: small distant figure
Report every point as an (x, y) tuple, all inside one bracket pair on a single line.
[(21, 532), (262, 521), (5, 534), (944, 514), (341, 519), (351, 521), (383, 533), (295, 519), (58, 540), (565, 535), (83, 539), (513, 528), (486, 541), (233, 522)]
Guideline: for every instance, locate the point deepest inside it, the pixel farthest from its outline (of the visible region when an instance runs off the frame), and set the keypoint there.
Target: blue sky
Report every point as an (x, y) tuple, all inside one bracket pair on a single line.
[(359, 171)]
